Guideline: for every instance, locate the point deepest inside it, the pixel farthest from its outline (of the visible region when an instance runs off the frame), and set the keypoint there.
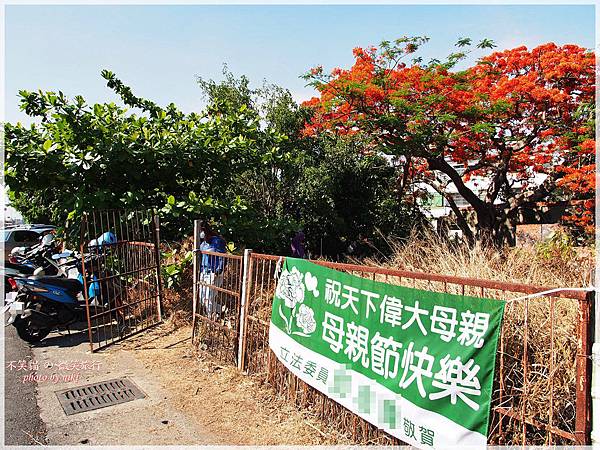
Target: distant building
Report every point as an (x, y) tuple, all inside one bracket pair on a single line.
[(10, 216), (436, 206)]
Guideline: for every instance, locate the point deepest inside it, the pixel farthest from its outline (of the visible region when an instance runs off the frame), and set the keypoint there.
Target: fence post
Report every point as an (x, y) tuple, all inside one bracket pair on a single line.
[(195, 275), (156, 221), (595, 281), (243, 308), (84, 234), (583, 402)]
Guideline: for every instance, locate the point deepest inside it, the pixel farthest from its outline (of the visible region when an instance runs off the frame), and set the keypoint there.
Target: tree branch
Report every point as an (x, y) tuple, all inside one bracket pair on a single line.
[(442, 165), (539, 193), (460, 218)]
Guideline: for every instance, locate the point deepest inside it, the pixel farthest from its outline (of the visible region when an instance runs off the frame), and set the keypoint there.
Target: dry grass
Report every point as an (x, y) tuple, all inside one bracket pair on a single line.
[(538, 350), (535, 265), (536, 359)]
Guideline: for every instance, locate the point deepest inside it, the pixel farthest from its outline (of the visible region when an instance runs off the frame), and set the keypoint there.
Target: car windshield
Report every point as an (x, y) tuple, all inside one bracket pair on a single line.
[(4, 234)]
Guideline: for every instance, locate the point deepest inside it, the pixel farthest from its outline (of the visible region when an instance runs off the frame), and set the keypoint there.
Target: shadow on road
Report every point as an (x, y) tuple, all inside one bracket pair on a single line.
[(64, 338), (78, 334)]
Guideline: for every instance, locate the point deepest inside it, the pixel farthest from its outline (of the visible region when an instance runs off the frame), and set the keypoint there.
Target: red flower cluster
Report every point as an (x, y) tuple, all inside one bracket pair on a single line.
[(516, 107)]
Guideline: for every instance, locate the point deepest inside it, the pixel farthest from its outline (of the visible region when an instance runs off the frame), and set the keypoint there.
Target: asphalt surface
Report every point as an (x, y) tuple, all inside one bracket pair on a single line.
[(22, 423)]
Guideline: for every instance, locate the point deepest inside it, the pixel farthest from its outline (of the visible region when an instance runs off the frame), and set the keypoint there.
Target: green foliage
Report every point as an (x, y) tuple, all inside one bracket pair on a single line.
[(229, 95), (558, 245), (243, 163), (348, 197), (171, 273), (80, 157)]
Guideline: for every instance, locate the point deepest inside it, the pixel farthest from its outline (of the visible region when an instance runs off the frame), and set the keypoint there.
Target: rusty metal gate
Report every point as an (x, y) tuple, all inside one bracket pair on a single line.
[(216, 305), (121, 273)]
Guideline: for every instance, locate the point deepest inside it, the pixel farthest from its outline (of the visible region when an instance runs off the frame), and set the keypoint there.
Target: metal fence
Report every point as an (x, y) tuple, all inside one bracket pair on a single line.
[(121, 277), (216, 304), (541, 391)]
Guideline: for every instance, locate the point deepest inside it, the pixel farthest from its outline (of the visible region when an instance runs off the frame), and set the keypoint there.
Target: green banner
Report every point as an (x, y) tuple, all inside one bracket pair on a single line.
[(418, 364)]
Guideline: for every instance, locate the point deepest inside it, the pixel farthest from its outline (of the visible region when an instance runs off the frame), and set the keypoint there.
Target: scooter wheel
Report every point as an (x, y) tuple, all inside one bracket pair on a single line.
[(28, 333)]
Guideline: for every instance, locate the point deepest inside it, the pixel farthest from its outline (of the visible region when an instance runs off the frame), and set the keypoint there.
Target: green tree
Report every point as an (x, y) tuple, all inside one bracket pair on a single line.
[(348, 201), (334, 189), (80, 157), (243, 163)]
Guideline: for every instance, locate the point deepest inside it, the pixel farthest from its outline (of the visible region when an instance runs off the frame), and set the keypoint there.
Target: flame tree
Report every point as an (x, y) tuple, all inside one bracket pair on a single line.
[(519, 121)]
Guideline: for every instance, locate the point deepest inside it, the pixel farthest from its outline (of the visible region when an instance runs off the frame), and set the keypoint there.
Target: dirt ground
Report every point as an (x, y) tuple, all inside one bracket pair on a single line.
[(232, 407)]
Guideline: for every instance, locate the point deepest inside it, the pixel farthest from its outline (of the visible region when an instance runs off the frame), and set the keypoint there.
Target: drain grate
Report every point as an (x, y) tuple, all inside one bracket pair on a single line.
[(98, 395)]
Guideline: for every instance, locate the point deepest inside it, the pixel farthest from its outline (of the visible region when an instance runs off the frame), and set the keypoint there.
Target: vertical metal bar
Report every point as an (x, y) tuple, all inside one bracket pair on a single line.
[(243, 312), (270, 277), (195, 256), (583, 404), (147, 311), (90, 249), (551, 375), (153, 306), (525, 375), (501, 377), (99, 269), (82, 245), (251, 341), (239, 287), (117, 260), (139, 258), (157, 253), (128, 261), (133, 260), (261, 293), (106, 272)]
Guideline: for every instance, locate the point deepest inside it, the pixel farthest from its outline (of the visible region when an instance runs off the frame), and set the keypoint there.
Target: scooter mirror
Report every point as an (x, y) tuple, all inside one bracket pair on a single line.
[(47, 240), (17, 250), (62, 255)]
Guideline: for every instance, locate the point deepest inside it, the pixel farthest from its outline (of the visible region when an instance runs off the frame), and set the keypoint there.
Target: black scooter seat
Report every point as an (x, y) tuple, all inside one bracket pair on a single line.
[(21, 268), (66, 283)]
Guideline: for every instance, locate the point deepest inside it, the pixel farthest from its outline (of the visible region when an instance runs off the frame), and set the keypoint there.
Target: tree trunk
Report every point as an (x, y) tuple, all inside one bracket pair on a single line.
[(496, 226)]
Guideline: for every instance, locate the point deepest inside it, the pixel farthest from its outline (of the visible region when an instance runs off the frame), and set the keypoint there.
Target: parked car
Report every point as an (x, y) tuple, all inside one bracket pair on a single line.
[(22, 236)]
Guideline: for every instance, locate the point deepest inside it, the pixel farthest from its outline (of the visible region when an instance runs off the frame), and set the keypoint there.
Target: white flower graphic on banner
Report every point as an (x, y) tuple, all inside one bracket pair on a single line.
[(306, 319), (291, 287), (311, 283)]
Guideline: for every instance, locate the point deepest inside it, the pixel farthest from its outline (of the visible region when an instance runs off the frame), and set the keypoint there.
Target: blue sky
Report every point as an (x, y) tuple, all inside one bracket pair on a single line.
[(159, 50)]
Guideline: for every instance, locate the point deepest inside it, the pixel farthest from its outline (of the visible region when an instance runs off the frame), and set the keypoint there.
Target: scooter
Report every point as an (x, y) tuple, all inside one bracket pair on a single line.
[(43, 303), (26, 259)]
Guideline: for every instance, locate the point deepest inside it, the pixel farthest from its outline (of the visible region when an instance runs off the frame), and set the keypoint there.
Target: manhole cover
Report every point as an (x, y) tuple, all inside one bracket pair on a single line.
[(99, 395)]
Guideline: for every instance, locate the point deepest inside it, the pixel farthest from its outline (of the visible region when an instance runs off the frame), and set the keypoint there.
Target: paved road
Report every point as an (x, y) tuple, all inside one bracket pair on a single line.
[(22, 423)]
